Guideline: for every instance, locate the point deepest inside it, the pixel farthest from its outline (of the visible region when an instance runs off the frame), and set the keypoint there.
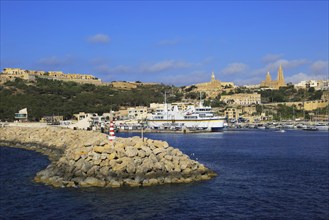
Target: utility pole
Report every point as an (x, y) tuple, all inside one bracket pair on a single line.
[(304, 104), (142, 132)]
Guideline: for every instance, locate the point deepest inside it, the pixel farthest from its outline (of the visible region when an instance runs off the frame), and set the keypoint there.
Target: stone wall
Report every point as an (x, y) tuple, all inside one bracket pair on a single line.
[(86, 158)]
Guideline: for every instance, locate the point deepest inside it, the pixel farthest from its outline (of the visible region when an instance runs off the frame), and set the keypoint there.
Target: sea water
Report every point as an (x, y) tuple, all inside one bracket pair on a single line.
[(261, 175)]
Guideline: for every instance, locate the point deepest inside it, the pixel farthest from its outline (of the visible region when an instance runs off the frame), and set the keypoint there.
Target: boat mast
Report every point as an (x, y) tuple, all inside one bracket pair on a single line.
[(166, 106)]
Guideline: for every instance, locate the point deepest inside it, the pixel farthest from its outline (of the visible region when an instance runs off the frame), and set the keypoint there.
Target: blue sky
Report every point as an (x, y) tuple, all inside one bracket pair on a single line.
[(177, 43)]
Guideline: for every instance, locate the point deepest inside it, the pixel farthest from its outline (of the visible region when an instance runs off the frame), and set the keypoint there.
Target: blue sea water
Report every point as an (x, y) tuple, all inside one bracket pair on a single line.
[(262, 175)]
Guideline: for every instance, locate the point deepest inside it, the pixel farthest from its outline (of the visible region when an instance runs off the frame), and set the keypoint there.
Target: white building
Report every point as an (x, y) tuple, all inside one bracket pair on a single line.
[(316, 84), (242, 99), (138, 113), (21, 115)]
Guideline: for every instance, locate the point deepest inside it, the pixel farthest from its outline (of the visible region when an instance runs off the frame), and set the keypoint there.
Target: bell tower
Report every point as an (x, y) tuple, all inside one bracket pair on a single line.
[(213, 76), (280, 77)]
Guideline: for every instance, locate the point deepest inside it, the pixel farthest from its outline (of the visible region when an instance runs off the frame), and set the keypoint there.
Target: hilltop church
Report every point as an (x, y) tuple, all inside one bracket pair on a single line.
[(213, 87), (274, 84)]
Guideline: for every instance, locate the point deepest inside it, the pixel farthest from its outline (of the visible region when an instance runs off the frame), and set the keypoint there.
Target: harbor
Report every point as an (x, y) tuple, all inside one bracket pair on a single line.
[(260, 175), (164, 110)]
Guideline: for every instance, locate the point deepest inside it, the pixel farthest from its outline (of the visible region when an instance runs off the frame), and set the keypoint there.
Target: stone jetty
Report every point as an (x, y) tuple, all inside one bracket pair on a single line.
[(86, 158)]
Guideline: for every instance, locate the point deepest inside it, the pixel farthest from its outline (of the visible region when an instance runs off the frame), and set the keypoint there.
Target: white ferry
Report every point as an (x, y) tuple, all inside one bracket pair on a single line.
[(194, 118)]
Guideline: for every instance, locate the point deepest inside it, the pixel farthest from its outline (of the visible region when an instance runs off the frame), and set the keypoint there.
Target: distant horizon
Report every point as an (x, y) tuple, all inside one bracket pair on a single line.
[(174, 43), (272, 76)]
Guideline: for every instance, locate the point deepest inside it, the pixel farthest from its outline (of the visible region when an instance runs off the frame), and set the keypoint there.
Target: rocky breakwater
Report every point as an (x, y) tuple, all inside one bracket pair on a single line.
[(89, 159)]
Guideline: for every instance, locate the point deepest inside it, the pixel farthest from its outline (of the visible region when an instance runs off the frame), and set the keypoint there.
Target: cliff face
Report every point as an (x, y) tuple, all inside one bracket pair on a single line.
[(85, 158)]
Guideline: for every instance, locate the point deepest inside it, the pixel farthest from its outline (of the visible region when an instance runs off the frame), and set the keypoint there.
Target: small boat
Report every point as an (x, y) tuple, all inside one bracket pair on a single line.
[(280, 129), (261, 126), (310, 129), (289, 126), (322, 127)]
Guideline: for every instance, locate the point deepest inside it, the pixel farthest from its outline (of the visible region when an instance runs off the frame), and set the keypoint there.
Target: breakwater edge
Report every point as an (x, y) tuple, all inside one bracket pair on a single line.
[(85, 159)]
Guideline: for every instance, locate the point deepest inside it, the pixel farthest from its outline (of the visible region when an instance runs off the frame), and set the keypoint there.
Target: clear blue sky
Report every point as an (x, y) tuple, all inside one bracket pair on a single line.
[(178, 43)]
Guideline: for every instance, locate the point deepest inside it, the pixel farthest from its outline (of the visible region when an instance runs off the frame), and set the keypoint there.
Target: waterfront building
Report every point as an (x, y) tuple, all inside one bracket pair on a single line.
[(82, 115), (138, 113), (274, 84), (54, 119), (22, 115), (233, 113)]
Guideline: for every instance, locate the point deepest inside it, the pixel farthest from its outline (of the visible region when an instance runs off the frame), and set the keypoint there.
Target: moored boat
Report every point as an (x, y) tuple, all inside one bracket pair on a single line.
[(194, 118), (322, 127), (312, 128)]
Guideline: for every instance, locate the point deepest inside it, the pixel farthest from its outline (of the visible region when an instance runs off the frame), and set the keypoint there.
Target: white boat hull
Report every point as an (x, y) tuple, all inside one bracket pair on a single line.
[(322, 127), (200, 124)]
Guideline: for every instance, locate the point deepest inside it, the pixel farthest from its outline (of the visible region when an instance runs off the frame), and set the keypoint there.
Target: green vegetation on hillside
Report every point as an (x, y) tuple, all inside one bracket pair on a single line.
[(290, 94), (46, 97), (54, 97)]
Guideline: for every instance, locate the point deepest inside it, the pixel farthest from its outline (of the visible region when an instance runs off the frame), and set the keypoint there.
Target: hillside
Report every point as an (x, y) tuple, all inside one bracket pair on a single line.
[(44, 97), (54, 97)]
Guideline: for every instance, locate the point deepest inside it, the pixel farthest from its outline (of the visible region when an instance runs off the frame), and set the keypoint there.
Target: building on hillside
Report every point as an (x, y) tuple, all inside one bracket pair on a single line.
[(316, 84), (213, 87), (274, 84), (249, 110), (233, 114), (121, 114), (242, 99), (255, 86), (22, 115), (12, 73), (236, 113)]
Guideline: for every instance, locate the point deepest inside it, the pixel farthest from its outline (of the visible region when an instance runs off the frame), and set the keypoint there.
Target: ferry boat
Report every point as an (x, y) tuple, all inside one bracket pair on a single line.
[(199, 118)]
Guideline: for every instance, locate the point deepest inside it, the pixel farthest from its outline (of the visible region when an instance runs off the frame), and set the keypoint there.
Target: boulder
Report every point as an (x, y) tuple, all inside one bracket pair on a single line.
[(91, 181), (131, 151)]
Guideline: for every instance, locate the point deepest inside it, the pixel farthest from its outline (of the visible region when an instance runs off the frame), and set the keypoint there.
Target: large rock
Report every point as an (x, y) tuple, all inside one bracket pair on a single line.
[(91, 181), (131, 151)]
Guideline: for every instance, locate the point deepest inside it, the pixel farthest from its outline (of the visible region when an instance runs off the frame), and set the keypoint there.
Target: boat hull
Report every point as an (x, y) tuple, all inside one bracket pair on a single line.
[(213, 125), (322, 127)]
